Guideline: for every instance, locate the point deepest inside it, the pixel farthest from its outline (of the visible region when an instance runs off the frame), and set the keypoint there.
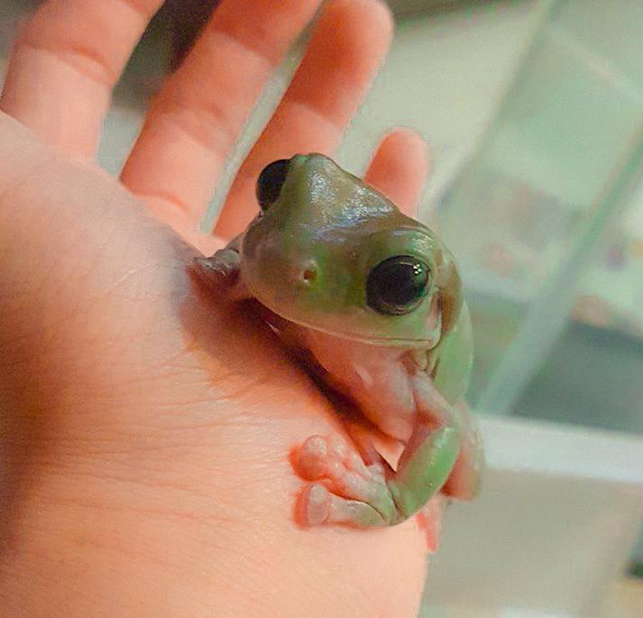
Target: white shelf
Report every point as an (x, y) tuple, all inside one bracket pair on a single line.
[(552, 530)]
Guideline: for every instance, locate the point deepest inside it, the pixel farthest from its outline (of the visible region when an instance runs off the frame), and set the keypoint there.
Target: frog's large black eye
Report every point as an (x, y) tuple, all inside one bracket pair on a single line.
[(270, 182), (397, 286)]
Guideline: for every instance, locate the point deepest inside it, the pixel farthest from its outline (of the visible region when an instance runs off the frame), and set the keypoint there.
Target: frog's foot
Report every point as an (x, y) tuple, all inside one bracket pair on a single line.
[(344, 489), (347, 491)]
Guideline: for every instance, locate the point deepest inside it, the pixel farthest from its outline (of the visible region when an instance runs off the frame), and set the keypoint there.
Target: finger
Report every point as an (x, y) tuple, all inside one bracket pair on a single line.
[(195, 119), (350, 41), (65, 65), (399, 169)]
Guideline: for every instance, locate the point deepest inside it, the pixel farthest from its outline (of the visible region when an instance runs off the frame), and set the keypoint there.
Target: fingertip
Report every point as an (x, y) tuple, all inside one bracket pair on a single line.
[(348, 47), (382, 17), (412, 143), (376, 26), (374, 15), (399, 168)]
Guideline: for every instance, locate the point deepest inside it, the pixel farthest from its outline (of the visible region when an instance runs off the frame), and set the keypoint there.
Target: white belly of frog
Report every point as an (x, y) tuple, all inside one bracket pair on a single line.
[(365, 376), (375, 378)]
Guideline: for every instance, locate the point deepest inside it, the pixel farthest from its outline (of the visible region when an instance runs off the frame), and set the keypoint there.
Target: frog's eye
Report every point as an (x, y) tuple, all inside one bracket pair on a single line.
[(270, 182), (397, 285)]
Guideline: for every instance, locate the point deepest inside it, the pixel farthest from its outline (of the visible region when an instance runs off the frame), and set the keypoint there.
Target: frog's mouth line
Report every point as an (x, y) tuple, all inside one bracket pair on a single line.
[(273, 319)]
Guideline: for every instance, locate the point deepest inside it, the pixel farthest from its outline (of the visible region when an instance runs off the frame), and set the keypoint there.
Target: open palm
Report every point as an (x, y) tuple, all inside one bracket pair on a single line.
[(145, 430)]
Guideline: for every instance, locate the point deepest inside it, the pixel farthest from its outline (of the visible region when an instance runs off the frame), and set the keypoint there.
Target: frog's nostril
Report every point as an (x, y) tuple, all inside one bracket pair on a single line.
[(309, 275), (305, 273)]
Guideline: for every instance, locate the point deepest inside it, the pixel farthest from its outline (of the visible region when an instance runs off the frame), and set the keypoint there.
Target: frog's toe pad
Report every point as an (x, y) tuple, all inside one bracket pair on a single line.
[(331, 458), (315, 505), (344, 489)]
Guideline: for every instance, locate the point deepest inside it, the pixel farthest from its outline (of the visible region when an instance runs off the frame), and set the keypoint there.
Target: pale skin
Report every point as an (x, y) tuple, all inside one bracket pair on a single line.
[(144, 459)]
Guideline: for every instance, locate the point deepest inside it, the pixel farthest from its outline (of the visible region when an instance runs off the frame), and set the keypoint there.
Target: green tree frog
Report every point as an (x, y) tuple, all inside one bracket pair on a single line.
[(371, 301)]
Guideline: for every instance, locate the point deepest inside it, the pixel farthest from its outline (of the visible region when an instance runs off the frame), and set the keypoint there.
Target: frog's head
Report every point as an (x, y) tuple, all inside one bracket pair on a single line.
[(329, 252)]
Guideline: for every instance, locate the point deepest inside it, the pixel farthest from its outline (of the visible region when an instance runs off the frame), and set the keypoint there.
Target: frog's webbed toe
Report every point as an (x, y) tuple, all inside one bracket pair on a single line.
[(344, 489), (319, 506)]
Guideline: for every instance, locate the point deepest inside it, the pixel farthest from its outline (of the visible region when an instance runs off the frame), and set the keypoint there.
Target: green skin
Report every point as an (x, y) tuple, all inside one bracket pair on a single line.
[(306, 260)]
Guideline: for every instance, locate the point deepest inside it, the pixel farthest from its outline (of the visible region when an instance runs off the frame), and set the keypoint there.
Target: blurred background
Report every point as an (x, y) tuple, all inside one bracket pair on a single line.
[(534, 111)]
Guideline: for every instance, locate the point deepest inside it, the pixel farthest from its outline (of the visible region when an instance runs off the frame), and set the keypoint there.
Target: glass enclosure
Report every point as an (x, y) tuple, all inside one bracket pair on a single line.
[(532, 213), (546, 219)]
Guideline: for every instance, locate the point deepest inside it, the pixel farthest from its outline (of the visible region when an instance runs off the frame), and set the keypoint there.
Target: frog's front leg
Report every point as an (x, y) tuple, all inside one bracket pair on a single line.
[(347, 491), (222, 271)]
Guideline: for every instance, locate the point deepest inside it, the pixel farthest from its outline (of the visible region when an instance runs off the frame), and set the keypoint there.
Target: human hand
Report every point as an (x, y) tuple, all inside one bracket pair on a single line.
[(145, 431)]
